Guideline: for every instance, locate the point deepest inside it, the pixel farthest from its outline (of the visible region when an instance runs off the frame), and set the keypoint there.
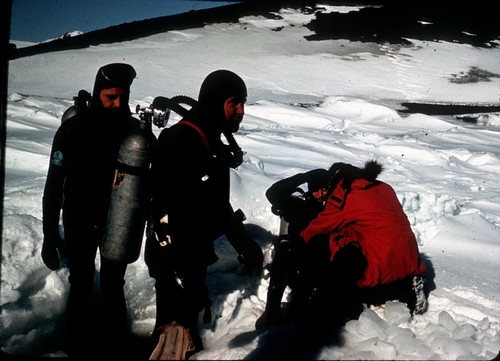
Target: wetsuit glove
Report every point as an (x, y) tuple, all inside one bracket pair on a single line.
[(52, 249), (249, 252)]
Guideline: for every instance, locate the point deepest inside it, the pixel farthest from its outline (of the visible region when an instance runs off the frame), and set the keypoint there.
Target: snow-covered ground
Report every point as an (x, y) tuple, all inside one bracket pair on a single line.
[(311, 103)]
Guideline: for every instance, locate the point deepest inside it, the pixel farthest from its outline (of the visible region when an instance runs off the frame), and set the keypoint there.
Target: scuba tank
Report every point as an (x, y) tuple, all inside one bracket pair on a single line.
[(129, 206), (130, 199), (81, 103)]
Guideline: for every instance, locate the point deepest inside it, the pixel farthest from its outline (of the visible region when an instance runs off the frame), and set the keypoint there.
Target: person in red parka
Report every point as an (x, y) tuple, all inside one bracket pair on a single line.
[(358, 249), (364, 220)]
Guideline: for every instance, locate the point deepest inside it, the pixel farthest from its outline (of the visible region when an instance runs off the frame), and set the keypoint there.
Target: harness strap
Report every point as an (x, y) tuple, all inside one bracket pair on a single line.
[(207, 315), (200, 132), (130, 169)]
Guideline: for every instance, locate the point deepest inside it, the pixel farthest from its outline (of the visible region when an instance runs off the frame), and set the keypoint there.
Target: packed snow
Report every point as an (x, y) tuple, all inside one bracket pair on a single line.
[(310, 104)]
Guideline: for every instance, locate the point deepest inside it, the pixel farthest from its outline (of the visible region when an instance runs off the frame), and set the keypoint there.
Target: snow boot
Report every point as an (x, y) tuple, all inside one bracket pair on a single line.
[(421, 299), (271, 315)]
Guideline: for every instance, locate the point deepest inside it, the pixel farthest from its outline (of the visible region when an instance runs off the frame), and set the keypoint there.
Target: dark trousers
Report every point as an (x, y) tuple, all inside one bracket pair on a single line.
[(181, 292), (112, 317), (323, 291), (347, 268), (180, 299), (400, 290)]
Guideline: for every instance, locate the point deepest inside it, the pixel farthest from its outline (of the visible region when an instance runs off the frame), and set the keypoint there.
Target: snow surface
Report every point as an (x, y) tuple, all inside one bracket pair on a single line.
[(310, 104)]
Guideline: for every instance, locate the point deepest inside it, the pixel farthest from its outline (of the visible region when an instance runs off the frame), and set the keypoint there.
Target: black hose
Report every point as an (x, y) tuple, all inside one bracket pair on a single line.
[(174, 104)]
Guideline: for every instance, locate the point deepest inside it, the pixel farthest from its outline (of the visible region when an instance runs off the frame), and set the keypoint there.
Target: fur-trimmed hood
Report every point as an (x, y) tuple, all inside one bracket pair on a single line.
[(370, 172), (342, 176)]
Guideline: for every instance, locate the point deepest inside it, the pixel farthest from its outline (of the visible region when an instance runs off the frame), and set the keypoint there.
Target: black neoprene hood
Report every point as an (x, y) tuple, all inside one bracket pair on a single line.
[(114, 75), (220, 85)]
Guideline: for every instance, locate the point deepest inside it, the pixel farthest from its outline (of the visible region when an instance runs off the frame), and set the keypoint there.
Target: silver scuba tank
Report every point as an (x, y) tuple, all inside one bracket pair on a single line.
[(81, 103), (130, 198)]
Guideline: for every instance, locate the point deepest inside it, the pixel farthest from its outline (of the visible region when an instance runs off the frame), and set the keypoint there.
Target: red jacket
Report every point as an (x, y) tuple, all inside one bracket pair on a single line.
[(371, 215)]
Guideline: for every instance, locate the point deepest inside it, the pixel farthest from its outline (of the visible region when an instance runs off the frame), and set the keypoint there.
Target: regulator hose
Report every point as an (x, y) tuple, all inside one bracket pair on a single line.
[(174, 104)]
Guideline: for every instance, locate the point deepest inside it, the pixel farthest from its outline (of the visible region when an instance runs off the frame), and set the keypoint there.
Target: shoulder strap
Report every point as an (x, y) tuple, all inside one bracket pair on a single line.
[(200, 132)]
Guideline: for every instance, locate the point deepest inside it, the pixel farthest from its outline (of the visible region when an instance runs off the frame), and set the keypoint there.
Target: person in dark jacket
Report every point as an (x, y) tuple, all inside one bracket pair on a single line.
[(191, 206), (79, 182), (371, 252), (294, 264)]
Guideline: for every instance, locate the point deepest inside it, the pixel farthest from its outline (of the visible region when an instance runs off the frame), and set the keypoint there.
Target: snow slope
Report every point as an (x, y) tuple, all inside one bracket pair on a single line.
[(311, 103)]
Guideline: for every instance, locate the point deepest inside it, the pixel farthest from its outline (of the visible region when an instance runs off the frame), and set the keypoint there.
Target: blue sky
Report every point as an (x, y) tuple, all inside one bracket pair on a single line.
[(35, 21)]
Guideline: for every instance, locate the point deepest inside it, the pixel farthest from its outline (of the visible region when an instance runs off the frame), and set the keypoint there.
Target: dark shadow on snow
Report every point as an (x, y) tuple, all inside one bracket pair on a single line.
[(288, 342), (429, 284)]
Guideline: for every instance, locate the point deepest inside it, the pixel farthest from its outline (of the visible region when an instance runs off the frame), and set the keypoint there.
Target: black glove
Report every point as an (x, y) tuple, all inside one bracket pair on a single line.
[(52, 249), (249, 252), (252, 258), (276, 209)]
